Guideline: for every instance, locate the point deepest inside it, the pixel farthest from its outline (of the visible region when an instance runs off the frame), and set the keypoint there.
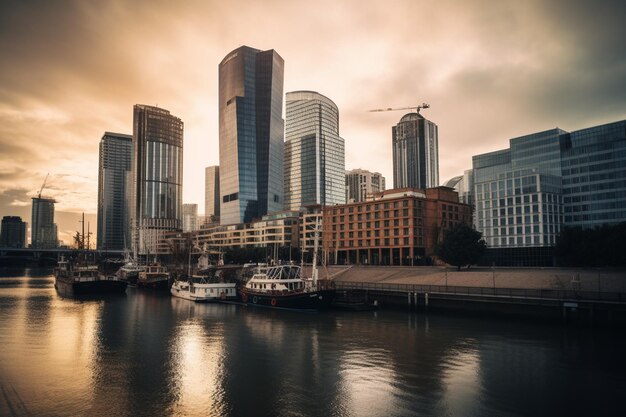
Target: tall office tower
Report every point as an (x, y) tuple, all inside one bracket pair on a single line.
[(190, 217), (415, 152), (212, 192), (116, 152), (360, 183), (13, 232), (314, 152), (157, 167), (251, 134), (44, 230)]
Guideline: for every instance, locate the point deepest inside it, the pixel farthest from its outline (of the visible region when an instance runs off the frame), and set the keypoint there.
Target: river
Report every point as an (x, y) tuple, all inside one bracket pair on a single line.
[(147, 354)]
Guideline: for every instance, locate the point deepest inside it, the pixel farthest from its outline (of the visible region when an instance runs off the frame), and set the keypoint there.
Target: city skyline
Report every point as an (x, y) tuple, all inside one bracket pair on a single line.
[(490, 74)]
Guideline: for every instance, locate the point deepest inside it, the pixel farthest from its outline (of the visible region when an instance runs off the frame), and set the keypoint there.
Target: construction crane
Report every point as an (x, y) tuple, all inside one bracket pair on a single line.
[(43, 185), (416, 108)]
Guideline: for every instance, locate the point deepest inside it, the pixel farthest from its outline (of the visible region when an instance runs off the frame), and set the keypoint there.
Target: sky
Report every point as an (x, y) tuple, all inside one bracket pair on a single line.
[(490, 70)]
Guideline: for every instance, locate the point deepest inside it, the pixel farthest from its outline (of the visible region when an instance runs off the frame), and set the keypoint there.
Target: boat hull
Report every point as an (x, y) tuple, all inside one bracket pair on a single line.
[(314, 300), (159, 285), (68, 288)]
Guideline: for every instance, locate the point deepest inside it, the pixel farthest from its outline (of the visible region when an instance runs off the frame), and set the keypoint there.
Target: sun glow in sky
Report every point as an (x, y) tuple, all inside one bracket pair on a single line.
[(71, 70)]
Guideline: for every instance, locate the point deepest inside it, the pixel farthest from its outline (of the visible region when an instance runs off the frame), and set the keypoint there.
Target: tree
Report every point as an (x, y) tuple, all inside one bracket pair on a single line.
[(461, 245)]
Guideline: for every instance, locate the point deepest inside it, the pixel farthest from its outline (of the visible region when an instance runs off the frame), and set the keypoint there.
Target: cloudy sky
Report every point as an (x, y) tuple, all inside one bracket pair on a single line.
[(491, 70)]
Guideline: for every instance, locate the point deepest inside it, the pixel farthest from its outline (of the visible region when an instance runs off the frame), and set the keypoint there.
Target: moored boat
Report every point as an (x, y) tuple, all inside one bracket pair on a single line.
[(282, 286), (154, 276), (199, 289), (75, 278), (129, 272)]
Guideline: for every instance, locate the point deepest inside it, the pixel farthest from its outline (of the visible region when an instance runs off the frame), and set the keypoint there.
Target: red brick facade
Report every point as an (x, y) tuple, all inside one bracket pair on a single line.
[(396, 227)]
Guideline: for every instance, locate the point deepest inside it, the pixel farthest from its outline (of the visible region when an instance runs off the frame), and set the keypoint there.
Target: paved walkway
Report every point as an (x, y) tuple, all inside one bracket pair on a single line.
[(609, 280)]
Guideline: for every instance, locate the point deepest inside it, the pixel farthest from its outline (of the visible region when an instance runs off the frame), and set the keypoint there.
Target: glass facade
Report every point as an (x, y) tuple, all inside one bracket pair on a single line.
[(314, 152), (157, 166), (415, 153), (43, 230), (550, 179), (212, 192), (114, 166), (594, 175), (251, 131)]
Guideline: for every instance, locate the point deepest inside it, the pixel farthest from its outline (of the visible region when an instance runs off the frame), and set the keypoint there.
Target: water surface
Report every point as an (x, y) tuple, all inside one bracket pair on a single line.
[(147, 354)]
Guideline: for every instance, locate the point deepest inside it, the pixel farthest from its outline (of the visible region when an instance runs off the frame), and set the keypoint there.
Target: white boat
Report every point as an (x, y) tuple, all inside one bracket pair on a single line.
[(129, 272), (200, 290), (282, 286)]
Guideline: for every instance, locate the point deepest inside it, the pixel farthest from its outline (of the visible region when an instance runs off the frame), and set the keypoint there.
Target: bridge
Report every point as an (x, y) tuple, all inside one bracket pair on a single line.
[(13, 256)]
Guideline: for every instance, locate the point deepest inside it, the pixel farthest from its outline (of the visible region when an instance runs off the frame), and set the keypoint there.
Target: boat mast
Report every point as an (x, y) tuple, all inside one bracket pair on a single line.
[(315, 248)]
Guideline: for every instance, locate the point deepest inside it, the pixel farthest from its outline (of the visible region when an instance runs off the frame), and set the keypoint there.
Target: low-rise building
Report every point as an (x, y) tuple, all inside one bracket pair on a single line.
[(394, 227)]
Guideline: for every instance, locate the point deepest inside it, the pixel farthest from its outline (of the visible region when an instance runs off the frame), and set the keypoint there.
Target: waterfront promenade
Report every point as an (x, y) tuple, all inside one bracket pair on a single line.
[(603, 279)]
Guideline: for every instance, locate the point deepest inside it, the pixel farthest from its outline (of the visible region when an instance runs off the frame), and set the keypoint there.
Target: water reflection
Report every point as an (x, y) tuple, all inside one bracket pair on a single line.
[(148, 354)]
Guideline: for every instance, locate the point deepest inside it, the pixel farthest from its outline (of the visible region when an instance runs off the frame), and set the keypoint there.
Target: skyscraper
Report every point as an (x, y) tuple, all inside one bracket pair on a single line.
[(314, 152), (212, 192), (157, 167), (44, 230), (114, 167), (190, 217), (415, 152), (360, 183), (13, 232), (251, 134)]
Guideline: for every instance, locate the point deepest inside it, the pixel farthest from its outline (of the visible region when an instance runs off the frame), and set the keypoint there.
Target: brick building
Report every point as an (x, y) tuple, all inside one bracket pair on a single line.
[(394, 227)]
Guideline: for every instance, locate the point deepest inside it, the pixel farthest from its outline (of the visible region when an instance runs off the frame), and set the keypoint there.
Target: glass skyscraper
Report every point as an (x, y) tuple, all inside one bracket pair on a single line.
[(251, 132), (44, 234), (114, 167), (415, 151), (157, 166), (314, 151)]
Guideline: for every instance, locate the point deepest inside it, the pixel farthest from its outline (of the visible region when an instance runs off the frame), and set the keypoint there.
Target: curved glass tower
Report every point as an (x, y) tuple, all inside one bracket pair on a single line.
[(157, 167), (251, 134), (415, 153), (314, 152)]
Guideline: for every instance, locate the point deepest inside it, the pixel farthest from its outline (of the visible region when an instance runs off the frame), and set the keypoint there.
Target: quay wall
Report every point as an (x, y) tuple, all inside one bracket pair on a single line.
[(596, 297)]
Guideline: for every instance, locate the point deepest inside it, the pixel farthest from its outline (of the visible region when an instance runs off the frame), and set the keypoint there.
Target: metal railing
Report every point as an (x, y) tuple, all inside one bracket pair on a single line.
[(527, 293)]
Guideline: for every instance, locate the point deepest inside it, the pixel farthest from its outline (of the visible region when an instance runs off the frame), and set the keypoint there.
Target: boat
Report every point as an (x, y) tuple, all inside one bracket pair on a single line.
[(199, 289), (154, 276), (76, 278), (283, 286), (129, 272)]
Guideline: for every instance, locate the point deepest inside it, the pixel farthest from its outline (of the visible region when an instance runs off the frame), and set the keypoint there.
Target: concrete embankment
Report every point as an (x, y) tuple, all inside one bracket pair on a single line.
[(572, 295)]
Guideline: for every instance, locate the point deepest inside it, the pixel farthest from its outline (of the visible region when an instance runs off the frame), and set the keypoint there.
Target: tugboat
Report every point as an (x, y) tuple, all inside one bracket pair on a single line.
[(80, 278), (282, 286), (154, 276)]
